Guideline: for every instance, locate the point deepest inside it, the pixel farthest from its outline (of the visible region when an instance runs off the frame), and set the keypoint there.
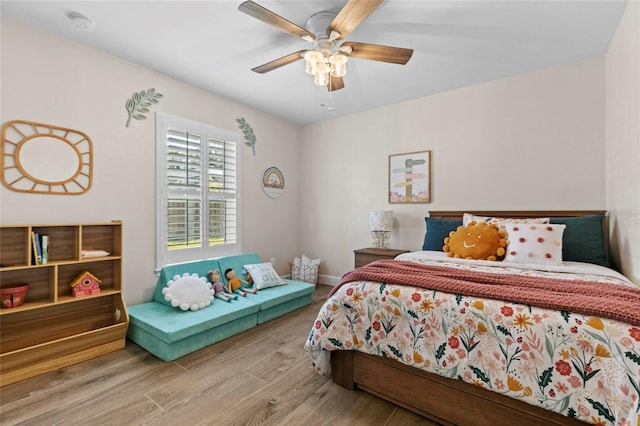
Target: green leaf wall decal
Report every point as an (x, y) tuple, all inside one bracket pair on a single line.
[(248, 135), (140, 102)]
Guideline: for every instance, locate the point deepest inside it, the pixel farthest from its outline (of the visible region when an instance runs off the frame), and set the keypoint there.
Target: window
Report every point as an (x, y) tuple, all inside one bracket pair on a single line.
[(197, 207)]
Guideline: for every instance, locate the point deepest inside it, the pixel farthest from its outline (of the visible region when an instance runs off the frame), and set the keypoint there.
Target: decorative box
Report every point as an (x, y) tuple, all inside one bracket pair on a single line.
[(13, 297)]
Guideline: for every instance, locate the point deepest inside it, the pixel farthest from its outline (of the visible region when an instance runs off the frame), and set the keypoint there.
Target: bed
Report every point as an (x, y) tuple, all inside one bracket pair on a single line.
[(563, 347)]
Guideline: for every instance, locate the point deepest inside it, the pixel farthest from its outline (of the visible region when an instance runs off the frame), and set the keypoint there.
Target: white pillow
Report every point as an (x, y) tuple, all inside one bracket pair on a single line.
[(264, 276), (500, 221), (306, 261), (539, 244), (188, 292)]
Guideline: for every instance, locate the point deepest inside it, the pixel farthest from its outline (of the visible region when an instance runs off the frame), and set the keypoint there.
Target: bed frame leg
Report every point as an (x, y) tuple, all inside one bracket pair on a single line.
[(342, 369)]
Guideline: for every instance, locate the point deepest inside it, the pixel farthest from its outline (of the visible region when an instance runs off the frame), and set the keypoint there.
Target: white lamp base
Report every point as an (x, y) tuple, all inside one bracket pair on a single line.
[(381, 239)]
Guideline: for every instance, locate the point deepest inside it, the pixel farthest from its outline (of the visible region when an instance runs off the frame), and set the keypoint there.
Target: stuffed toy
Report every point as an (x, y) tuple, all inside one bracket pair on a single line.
[(477, 240), (218, 287), (236, 285)]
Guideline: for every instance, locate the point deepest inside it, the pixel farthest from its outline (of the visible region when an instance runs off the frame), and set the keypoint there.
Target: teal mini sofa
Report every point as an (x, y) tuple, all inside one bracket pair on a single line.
[(169, 333)]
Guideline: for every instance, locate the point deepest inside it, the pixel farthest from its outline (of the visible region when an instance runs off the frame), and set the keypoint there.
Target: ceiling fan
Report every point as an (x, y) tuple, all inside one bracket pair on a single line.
[(326, 61)]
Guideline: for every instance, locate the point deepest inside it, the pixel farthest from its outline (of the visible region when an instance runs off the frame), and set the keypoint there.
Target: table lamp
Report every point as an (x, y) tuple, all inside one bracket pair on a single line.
[(380, 225)]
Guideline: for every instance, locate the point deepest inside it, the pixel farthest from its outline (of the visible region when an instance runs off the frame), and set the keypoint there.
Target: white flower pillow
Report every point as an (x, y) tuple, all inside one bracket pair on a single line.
[(539, 244), (264, 276), (188, 292), (500, 221)]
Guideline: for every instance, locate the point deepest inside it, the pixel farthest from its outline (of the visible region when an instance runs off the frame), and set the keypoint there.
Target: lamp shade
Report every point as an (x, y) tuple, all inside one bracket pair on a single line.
[(338, 65), (381, 220)]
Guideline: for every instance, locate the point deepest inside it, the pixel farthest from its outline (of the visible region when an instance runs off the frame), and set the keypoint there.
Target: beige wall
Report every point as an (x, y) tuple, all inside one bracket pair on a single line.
[(533, 141), (623, 141), (50, 80)]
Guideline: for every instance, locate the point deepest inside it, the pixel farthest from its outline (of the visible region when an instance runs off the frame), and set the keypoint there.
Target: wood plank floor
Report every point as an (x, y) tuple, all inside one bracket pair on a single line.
[(259, 377)]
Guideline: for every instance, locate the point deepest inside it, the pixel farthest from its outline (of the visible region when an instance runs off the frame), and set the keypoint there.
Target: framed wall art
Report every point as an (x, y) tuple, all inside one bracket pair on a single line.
[(273, 182), (410, 177)]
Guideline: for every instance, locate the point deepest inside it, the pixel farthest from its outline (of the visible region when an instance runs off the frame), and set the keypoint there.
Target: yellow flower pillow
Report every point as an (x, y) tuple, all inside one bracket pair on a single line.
[(477, 240)]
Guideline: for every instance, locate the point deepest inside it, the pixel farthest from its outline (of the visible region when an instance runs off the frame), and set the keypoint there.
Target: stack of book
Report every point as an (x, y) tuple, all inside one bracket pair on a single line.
[(40, 248)]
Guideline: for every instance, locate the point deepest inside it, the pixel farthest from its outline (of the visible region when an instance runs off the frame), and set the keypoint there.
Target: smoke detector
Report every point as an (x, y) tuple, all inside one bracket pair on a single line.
[(81, 22)]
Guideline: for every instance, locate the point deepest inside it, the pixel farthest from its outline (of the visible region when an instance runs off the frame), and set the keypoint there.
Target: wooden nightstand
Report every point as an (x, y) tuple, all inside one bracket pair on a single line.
[(368, 255)]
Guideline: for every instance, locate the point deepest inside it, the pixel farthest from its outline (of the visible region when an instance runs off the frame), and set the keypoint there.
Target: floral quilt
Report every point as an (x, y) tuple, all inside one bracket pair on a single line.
[(581, 366)]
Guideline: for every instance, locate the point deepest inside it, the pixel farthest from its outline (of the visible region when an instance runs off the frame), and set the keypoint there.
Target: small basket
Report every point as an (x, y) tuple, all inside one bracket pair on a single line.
[(304, 273), (12, 297)]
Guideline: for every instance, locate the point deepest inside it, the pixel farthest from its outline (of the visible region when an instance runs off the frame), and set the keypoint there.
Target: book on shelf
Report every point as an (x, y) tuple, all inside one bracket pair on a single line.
[(45, 248), (37, 249)]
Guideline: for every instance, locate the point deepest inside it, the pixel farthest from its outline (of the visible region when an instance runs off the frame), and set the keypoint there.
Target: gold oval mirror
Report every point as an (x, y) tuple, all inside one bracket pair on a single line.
[(34, 156), (46, 159)]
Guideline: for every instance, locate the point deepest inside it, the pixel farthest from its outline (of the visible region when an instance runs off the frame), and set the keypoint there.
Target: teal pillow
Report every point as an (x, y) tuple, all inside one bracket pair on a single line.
[(437, 231), (583, 239)]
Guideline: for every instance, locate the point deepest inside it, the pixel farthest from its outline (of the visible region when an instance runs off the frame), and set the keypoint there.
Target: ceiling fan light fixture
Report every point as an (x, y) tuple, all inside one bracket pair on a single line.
[(322, 62), (321, 77), (327, 61), (313, 59), (338, 65), (310, 67)]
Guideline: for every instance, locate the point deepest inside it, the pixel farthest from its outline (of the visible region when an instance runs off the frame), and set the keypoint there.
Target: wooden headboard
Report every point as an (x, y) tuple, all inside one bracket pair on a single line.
[(516, 214)]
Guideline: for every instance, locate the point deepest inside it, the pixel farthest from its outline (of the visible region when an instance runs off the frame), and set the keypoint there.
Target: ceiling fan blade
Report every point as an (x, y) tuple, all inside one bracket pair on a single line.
[(335, 83), (376, 52), (280, 62), (265, 15), (351, 15)]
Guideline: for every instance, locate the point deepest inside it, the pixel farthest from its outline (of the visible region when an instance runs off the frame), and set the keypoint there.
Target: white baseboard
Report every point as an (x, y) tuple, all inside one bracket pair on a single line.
[(328, 280), (322, 279)]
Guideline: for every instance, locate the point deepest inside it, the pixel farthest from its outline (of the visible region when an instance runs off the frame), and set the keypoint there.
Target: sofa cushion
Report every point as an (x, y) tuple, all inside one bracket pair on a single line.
[(276, 301), (171, 325), (168, 351), (237, 263), (273, 296), (200, 267)]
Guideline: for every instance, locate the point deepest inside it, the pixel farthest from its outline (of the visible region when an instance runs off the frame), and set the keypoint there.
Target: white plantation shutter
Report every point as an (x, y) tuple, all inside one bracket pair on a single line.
[(197, 207), (222, 185), (184, 188)]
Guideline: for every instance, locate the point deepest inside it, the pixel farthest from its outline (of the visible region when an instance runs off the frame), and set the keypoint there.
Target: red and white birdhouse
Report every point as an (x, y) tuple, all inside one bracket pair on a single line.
[(86, 284)]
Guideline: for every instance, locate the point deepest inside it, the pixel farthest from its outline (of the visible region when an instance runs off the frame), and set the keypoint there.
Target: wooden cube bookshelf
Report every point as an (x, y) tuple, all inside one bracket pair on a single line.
[(53, 329)]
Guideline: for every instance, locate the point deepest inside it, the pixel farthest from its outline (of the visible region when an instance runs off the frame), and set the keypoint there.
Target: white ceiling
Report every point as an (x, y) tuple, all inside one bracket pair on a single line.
[(212, 45)]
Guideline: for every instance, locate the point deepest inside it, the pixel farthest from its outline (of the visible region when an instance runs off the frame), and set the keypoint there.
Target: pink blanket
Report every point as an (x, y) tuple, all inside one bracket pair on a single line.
[(582, 297)]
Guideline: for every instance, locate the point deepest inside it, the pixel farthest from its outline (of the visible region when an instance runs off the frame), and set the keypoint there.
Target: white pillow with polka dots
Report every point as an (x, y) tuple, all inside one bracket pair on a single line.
[(540, 244)]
